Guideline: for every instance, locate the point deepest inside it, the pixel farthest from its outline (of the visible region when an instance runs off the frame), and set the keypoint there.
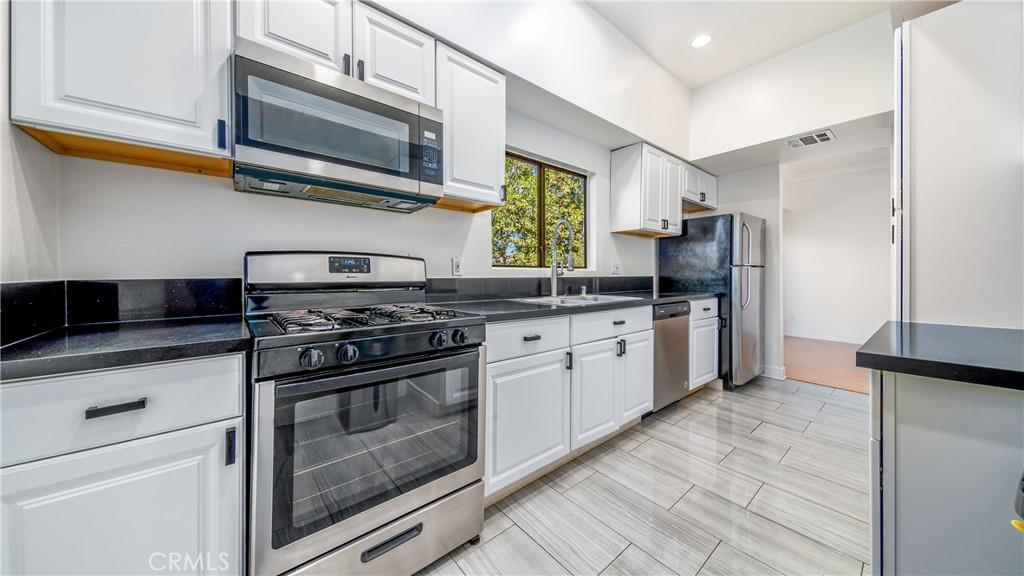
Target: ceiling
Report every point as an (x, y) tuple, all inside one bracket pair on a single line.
[(743, 33)]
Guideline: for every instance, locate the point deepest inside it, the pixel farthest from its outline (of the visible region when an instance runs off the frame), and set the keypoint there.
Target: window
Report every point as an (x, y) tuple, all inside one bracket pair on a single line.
[(536, 196)]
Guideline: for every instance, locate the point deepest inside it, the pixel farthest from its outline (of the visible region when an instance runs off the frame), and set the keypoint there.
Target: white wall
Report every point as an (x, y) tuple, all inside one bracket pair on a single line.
[(28, 193), (839, 77), (966, 160), (571, 51), (836, 254), (756, 192), (121, 221)]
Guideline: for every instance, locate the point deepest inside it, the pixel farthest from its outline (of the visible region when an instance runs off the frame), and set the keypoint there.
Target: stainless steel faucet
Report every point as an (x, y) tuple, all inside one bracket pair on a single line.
[(556, 270)]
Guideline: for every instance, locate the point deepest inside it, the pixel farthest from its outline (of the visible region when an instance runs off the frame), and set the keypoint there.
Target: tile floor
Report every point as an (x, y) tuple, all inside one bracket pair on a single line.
[(770, 479)]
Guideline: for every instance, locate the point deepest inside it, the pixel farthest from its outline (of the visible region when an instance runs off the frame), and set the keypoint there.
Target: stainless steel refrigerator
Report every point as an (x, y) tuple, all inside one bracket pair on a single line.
[(723, 254)]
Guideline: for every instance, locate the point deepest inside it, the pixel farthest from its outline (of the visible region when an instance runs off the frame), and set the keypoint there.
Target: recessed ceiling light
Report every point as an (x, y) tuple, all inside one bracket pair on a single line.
[(700, 41)]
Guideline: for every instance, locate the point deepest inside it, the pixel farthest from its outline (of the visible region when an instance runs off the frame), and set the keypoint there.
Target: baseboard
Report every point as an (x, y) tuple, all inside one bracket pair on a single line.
[(828, 337), (775, 372)]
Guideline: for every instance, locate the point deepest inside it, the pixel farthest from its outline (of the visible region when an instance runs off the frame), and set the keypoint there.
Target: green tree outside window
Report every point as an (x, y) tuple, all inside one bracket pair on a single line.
[(537, 196)]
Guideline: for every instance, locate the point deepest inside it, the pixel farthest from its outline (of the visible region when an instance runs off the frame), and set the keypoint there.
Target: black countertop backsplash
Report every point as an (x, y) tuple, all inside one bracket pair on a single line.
[(990, 356)]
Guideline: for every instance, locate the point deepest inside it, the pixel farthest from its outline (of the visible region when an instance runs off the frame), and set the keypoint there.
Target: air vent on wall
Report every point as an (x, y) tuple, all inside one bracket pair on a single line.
[(817, 137)]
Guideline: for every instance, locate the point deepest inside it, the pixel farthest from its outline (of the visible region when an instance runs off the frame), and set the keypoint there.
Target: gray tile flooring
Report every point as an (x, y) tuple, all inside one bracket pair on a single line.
[(770, 479)]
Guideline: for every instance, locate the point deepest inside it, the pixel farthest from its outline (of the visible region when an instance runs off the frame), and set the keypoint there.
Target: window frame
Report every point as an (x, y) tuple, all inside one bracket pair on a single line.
[(542, 248)]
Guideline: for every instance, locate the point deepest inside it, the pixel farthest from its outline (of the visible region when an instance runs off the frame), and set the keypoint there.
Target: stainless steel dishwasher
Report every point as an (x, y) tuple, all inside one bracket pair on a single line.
[(671, 353)]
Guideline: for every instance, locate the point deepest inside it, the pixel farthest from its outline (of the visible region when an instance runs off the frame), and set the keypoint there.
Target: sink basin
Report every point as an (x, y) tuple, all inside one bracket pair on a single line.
[(577, 300)]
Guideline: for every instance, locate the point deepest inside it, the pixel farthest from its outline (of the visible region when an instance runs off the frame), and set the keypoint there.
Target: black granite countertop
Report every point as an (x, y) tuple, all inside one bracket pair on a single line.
[(989, 356), (113, 344), (501, 310)]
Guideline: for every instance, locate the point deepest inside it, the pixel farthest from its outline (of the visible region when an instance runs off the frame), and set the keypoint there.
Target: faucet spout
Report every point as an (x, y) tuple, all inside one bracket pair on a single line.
[(556, 269)]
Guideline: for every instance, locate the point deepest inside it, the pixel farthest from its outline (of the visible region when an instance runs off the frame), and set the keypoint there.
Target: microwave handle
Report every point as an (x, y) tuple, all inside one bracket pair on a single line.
[(346, 64), (358, 379)]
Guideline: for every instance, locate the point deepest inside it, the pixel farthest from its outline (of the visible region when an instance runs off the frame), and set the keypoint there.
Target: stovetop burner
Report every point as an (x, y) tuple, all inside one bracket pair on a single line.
[(327, 319)]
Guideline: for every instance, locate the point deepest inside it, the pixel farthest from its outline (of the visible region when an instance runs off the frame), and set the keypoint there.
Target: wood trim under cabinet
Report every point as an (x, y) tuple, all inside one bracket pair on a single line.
[(126, 153), (460, 205)]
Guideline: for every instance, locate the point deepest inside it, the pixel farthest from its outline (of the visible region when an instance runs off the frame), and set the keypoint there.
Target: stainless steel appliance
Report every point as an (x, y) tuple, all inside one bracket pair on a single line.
[(307, 131), (671, 353), (367, 422), (724, 254)]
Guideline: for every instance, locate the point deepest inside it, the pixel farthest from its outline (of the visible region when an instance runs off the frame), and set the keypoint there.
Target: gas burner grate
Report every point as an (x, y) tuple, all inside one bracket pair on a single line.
[(412, 312)]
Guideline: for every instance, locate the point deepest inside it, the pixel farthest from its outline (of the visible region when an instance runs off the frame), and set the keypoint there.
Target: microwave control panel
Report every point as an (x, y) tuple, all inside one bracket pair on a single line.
[(430, 152)]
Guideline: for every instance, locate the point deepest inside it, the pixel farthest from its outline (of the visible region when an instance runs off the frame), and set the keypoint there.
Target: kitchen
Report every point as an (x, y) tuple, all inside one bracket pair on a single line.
[(455, 357)]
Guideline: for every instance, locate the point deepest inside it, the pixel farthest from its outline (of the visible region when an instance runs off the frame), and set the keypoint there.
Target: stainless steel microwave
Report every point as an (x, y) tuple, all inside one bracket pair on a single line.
[(308, 131)]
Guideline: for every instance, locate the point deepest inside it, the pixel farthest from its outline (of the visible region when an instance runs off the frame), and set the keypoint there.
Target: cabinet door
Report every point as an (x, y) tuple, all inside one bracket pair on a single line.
[(527, 416), (154, 73), (472, 97), (318, 30), (594, 406), (673, 194), (127, 508), (393, 55), (709, 193), (691, 184), (652, 186), (703, 351), (636, 376)]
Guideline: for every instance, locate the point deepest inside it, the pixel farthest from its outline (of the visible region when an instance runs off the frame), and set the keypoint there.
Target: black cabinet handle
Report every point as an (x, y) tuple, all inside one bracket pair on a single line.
[(568, 360), (346, 64), (702, 196), (222, 134), (392, 543), (360, 72), (533, 338), (504, 193), (99, 412), (623, 344), (618, 322), (230, 446), (618, 347), (707, 309)]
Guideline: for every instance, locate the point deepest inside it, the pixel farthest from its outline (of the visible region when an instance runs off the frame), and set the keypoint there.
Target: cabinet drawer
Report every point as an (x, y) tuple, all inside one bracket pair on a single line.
[(701, 309), (514, 339), (52, 416), (600, 325)]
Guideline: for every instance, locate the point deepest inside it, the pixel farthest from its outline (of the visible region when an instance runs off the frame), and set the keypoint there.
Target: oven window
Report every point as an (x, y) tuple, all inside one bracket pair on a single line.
[(341, 452)]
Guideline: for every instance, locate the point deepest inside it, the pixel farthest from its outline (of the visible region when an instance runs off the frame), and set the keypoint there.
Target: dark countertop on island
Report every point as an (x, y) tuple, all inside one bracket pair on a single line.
[(82, 347), (977, 355), (502, 310)]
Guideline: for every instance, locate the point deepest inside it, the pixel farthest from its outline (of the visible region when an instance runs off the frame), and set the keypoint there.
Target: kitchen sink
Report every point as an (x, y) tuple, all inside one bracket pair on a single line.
[(577, 300)]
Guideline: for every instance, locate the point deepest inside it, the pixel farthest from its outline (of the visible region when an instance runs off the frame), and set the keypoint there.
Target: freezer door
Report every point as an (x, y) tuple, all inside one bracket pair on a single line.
[(747, 323), (748, 240)]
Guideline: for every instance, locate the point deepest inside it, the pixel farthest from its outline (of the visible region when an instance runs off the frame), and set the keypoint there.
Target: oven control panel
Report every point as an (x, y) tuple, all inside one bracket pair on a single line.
[(348, 265)]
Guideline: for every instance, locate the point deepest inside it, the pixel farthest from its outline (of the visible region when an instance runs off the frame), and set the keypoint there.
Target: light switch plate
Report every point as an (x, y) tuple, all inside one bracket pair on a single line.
[(456, 266)]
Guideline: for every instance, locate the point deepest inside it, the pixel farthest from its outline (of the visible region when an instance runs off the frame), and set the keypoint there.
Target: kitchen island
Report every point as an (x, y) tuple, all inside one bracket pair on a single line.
[(947, 448)]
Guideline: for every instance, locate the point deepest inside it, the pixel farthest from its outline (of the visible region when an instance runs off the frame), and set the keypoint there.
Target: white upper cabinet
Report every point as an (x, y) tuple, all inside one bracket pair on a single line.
[(318, 30), (472, 97), (154, 73), (701, 188), (647, 187), (691, 190), (393, 55)]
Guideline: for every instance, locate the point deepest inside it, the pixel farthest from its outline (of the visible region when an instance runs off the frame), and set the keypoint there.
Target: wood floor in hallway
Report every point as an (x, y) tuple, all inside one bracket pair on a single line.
[(827, 363), (769, 479)]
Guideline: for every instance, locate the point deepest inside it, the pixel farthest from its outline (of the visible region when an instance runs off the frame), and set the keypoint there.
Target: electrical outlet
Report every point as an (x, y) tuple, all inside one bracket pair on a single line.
[(456, 266), (616, 269)]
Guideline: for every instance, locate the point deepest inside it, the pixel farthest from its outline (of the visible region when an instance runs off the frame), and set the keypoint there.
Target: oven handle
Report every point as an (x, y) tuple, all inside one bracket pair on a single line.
[(347, 381)]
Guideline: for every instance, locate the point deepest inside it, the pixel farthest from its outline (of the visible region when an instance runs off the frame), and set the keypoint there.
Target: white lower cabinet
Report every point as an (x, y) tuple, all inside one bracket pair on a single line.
[(703, 351), (636, 384), (527, 411), (595, 376), (166, 503)]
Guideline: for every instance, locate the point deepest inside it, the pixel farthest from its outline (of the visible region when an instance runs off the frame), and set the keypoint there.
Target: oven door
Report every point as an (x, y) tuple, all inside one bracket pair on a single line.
[(333, 127), (337, 457)]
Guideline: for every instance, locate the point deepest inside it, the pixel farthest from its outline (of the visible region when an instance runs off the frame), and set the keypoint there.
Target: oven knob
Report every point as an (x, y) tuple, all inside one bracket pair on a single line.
[(348, 354), (311, 359), (458, 337), (439, 339)]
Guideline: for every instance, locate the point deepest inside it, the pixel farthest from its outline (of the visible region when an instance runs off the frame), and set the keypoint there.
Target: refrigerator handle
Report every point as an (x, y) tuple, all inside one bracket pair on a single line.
[(745, 258), (745, 300)]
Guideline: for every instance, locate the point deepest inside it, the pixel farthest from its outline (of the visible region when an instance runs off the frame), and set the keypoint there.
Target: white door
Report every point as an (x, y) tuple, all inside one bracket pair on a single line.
[(317, 30), (392, 55), (154, 73), (673, 194), (472, 97), (691, 184), (594, 408), (709, 192), (127, 508), (636, 376), (703, 351), (527, 416), (652, 162)]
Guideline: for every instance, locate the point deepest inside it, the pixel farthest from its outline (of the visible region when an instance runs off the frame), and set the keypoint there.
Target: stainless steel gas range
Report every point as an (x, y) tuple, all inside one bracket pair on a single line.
[(367, 416)]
